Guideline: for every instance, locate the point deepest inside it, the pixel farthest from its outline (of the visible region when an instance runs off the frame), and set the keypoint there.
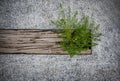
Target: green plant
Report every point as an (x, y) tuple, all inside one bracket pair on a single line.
[(78, 34)]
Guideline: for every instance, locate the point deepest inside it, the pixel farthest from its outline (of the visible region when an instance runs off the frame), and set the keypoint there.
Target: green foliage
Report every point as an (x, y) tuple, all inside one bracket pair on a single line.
[(78, 34)]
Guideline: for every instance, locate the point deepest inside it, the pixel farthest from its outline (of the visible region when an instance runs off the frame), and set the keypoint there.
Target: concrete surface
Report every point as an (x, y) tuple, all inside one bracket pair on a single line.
[(102, 65)]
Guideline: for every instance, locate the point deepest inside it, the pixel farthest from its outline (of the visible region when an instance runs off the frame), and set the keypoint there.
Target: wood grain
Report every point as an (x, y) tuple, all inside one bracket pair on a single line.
[(29, 41)]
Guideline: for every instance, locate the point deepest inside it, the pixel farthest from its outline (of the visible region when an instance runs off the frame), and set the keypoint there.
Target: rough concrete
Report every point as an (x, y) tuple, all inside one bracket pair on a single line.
[(102, 65)]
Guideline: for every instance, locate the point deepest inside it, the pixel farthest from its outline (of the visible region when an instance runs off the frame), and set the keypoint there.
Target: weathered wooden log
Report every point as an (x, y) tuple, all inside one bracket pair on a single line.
[(26, 41)]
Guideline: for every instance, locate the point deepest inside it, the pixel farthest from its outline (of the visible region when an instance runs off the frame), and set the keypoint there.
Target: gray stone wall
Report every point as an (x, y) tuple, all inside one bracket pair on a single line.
[(102, 65)]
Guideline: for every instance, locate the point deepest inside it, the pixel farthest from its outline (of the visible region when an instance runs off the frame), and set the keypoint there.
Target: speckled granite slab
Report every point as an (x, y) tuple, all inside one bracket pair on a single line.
[(102, 65)]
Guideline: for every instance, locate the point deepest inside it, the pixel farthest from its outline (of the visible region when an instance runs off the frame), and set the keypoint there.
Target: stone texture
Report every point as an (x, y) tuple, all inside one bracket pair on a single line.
[(102, 65)]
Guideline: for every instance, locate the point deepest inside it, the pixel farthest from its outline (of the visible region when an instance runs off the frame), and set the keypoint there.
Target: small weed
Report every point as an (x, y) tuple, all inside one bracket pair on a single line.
[(78, 34)]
